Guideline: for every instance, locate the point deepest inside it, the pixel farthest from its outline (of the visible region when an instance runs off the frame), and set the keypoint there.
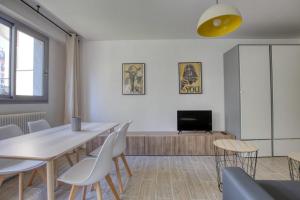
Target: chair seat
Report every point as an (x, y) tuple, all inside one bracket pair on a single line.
[(14, 166), (78, 173)]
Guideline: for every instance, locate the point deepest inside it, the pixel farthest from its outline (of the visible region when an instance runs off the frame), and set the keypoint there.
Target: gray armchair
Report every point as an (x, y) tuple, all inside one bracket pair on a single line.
[(237, 185)]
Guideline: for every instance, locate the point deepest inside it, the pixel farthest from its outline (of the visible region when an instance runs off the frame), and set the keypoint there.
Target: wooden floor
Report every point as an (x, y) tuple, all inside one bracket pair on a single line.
[(159, 178)]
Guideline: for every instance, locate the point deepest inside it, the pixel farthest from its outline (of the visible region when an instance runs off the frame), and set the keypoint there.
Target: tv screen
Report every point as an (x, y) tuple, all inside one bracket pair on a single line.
[(194, 120)]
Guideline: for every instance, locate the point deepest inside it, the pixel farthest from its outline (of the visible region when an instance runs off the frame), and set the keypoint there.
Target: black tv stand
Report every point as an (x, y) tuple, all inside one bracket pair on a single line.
[(181, 132)]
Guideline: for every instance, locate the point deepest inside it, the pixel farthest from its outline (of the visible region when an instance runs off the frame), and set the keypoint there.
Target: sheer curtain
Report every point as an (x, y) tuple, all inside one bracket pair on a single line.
[(72, 87)]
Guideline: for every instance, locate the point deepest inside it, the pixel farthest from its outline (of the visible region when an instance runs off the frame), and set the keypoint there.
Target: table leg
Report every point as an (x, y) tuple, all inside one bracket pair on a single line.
[(21, 186), (50, 180)]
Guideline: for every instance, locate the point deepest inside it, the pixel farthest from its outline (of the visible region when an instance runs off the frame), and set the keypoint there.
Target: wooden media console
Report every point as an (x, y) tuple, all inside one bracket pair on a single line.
[(168, 143)]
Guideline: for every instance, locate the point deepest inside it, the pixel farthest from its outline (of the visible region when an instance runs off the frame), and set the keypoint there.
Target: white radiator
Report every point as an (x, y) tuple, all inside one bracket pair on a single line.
[(21, 119)]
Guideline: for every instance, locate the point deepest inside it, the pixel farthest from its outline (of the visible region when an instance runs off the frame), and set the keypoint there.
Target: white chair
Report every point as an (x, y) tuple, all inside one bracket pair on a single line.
[(90, 171), (118, 152), (43, 124), (9, 167), (35, 126)]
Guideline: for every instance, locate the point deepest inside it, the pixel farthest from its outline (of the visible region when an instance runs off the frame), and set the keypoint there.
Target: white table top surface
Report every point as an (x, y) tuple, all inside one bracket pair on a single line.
[(51, 143), (235, 145)]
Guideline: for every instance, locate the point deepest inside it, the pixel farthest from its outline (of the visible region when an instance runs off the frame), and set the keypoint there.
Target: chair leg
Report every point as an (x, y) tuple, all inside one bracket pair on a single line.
[(32, 176), (98, 191), (42, 174), (84, 192), (21, 187), (112, 187), (69, 159), (128, 171), (56, 174), (73, 192), (116, 161), (2, 178), (92, 188), (77, 155)]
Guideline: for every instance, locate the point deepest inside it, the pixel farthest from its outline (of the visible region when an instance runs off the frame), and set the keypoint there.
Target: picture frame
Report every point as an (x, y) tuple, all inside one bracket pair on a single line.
[(190, 77), (133, 78)]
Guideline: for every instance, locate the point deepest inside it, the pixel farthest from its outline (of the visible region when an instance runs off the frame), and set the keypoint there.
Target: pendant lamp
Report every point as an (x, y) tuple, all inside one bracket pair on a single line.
[(219, 20)]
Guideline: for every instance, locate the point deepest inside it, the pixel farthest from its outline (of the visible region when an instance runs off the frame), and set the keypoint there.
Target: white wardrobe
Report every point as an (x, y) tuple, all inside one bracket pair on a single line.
[(262, 96)]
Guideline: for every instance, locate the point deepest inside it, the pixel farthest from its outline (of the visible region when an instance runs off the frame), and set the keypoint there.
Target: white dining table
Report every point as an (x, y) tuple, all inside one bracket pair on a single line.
[(49, 144)]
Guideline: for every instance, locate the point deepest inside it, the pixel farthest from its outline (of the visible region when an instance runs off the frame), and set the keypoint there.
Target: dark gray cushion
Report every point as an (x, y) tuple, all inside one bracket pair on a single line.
[(282, 190), (237, 185)]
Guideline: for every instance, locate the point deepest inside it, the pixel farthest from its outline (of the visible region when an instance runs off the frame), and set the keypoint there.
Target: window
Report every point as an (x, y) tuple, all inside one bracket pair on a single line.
[(5, 38), (23, 63)]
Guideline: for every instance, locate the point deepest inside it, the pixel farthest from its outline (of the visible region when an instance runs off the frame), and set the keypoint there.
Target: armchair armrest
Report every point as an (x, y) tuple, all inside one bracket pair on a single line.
[(238, 185)]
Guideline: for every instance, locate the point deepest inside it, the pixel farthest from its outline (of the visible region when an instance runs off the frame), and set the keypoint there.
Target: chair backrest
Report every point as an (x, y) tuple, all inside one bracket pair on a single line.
[(9, 131), (103, 162), (120, 144), (38, 125)]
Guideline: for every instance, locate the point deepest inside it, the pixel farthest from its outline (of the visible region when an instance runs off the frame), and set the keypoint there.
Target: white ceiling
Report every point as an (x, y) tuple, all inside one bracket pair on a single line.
[(171, 19)]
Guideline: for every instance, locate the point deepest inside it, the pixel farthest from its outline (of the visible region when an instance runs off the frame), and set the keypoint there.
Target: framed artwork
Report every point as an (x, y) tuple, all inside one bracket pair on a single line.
[(190, 77), (133, 78)]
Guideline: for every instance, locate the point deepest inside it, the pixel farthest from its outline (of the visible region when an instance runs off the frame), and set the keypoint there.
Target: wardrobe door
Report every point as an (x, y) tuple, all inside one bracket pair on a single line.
[(284, 147), (264, 147), (255, 88), (286, 97), (286, 91)]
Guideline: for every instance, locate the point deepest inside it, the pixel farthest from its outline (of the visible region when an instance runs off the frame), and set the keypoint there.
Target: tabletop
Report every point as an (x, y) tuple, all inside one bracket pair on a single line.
[(294, 156), (235, 145), (51, 143)]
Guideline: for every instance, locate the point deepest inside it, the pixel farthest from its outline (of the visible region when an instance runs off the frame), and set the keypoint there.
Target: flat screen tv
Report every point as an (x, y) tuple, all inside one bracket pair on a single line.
[(194, 120)]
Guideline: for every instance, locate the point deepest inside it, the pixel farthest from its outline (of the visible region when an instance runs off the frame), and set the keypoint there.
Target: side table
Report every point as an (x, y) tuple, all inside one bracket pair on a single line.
[(234, 153), (294, 165)]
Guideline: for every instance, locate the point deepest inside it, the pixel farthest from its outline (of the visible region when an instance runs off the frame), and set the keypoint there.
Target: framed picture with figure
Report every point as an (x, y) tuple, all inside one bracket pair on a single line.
[(133, 78), (190, 77)]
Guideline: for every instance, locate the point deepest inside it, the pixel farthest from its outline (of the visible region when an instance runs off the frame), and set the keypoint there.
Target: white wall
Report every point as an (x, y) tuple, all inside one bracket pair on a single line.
[(155, 111), (55, 106), (26, 15)]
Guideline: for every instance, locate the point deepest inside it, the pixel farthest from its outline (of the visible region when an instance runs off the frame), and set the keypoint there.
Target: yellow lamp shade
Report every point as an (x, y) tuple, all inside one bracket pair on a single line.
[(219, 20)]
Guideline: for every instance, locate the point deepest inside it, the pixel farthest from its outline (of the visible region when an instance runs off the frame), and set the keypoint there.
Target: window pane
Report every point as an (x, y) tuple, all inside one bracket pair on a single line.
[(30, 62), (25, 77), (4, 59)]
